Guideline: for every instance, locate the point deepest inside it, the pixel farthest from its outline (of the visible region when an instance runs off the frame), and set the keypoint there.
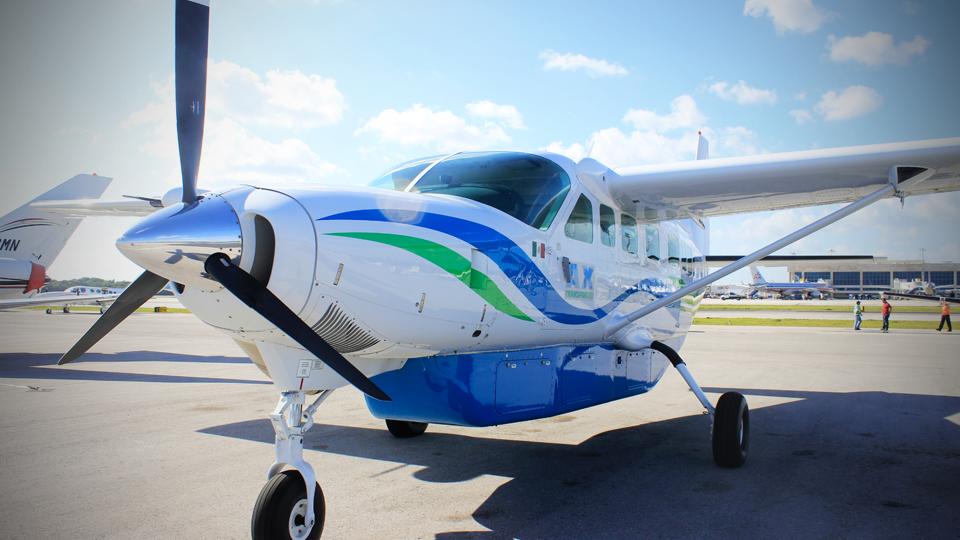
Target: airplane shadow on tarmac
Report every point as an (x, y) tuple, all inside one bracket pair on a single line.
[(861, 464), (44, 366)]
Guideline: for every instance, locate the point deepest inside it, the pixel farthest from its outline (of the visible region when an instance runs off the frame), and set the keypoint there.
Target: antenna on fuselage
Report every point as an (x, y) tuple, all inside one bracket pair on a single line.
[(703, 146)]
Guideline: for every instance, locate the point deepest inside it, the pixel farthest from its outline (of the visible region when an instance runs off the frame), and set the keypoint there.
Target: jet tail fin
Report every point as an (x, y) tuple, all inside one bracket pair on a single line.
[(34, 234), (757, 276), (703, 146)]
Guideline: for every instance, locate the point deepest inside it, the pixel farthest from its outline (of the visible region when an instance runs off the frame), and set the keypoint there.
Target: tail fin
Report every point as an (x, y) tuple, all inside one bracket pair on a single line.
[(757, 276), (36, 235)]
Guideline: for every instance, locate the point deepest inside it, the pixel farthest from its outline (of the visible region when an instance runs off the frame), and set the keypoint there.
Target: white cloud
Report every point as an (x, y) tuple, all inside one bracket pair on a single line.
[(575, 151), (852, 102), (683, 114), (594, 67), (508, 114), (443, 131), (788, 15), (288, 99), (742, 93), (237, 101), (875, 49), (801, 116), (651, 141)]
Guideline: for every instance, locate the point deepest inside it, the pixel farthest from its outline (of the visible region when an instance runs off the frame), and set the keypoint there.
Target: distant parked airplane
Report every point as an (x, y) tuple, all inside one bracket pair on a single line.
[(806, 289)]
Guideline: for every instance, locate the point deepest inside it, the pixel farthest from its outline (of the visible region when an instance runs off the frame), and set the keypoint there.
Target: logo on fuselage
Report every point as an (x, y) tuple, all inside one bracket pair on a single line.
[(580, 281)]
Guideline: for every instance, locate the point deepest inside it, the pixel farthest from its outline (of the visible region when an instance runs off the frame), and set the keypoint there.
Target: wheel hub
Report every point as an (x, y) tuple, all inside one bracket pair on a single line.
[(297, 522)]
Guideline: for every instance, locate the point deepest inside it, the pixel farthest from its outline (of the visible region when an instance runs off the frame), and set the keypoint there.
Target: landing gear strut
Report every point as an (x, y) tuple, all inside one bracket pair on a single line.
[(730, 432), (291, 503)]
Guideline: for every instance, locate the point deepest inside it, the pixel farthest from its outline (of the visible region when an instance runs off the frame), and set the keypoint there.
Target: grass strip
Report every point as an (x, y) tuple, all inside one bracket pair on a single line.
[(813, 323), (932, 308)]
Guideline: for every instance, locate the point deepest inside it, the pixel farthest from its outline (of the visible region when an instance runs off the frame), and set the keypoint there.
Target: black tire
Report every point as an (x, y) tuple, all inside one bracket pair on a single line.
[(731, 430), (275, 505), (49, 311), (66, 309), (402, 429)]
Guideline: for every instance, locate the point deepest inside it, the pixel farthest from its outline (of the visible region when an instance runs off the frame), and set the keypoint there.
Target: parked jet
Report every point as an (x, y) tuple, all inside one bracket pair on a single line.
[(472, 289), (31, 237), (805, 289)]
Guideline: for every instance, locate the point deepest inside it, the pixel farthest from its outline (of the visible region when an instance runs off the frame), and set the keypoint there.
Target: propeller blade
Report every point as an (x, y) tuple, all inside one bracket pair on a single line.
[(252, 293), (134, 296), (192, 27)]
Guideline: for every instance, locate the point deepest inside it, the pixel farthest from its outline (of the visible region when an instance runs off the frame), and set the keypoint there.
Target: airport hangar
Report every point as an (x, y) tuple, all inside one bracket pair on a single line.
[(857, 274)]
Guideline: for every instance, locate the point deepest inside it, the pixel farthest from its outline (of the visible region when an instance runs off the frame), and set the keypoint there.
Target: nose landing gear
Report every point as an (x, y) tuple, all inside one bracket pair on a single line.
[(291, 504)]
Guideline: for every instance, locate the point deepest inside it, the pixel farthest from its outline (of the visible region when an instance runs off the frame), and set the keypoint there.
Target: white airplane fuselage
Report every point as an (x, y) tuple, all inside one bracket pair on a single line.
[(388, 276)]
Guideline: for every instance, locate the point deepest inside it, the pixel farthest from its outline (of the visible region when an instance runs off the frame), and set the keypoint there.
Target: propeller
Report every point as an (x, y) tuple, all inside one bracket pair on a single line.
[(192, 20), (192, 29), (134, 296), (203, 217), (259, 298)]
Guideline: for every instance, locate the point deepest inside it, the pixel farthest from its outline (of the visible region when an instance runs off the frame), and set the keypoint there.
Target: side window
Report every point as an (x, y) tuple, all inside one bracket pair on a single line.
[(673, 248), (608, 226), (579, 225), (653, 242), (628, 228)]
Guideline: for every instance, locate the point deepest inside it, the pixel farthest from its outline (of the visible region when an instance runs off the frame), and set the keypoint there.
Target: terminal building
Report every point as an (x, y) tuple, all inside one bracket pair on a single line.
[(875, 275)]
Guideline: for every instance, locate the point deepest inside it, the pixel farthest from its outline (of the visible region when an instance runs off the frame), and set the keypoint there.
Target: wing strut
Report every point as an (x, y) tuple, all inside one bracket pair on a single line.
[(618, 321)]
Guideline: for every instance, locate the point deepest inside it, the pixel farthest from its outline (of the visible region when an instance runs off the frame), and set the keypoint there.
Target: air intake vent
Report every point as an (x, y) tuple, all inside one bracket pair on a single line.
[(341, 333)]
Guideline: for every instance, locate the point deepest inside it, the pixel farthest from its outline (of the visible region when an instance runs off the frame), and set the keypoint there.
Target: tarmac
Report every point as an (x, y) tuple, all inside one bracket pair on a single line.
[(161, 432)]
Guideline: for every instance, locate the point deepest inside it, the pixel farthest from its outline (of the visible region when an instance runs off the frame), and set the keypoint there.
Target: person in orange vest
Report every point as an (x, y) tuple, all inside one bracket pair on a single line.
[(885, 310), (944, 316)]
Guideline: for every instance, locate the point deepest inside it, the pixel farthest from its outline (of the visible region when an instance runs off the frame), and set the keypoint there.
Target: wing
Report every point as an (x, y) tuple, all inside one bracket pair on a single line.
[(53, 299), (931, 298), (714, 187), (93, 207)]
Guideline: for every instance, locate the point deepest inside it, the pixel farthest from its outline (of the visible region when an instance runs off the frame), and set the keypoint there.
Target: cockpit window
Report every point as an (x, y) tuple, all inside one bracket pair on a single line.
[(528, 187), (399, 177)]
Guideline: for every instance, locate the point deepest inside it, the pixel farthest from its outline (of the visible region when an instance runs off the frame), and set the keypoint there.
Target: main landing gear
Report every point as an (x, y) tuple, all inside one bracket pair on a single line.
[(291, 503), (731, 417)]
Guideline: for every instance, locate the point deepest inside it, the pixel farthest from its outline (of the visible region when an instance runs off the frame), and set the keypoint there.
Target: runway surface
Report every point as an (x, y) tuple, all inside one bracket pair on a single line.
[(161, 432)]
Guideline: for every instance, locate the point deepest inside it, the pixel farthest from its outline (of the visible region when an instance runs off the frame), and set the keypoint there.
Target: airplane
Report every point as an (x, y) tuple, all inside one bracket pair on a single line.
[(475, 288), (785, 289), (72, 296), (31, 237)]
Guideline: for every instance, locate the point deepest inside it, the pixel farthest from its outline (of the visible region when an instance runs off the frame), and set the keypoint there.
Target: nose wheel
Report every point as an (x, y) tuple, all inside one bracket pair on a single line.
[(281, 509)]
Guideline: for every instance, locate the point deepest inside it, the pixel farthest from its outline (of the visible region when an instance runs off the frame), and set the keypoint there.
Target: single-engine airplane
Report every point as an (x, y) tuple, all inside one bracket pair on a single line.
[(474, 288)]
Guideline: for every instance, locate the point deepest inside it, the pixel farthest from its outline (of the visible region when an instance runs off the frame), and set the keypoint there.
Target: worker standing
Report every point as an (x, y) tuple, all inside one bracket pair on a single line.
[(885, 310), (857, 315), (944, 316)]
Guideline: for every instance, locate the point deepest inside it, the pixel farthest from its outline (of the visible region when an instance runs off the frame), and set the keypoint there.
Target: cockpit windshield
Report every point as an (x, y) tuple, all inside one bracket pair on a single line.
[(530, 188), (399, 177)]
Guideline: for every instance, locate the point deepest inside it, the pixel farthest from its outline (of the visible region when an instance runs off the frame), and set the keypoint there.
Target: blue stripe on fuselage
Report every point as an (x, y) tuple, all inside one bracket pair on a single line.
[(511, 259)]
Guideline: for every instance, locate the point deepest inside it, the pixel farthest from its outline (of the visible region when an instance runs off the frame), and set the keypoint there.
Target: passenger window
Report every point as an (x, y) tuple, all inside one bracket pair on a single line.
[(653, 242), (608, 226), (628, 228), (580, 224), (673, 248)]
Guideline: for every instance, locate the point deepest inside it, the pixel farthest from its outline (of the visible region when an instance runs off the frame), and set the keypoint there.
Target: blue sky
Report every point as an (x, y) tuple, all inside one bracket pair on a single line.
[(336, 91)]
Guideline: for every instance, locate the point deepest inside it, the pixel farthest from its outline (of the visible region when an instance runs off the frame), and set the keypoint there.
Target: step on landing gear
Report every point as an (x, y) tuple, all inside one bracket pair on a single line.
[(730, 431), (291, 504)]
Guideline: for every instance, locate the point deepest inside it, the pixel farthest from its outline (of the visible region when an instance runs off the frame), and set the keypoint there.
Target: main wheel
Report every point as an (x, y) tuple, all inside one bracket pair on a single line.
[(281, 509), (731, 430), (402, 429), (66, 309), (49, 311)]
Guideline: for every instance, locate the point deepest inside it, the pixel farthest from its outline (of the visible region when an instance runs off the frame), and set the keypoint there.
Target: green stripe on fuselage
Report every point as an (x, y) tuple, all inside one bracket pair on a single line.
[(450, 261)]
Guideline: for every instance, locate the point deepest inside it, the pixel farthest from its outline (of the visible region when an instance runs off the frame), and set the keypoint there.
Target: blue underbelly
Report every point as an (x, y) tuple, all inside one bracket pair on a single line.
[(499, 388)]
